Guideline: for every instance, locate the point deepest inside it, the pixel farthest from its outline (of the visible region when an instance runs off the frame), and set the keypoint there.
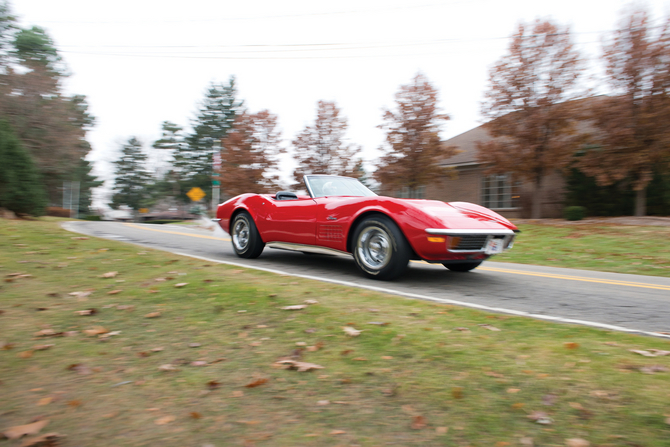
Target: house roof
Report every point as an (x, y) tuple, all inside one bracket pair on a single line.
[(465, 144)]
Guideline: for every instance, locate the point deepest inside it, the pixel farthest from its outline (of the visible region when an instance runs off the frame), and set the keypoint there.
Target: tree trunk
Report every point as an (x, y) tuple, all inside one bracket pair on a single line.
[(641, 202), (536, 212)]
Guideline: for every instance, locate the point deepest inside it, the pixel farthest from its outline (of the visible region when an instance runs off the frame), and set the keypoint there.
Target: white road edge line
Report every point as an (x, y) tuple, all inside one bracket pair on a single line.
[(501, 310), (439, 300)]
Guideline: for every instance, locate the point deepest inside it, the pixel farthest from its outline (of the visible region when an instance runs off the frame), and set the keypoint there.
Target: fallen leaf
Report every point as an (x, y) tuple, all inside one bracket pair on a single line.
[(513, 390), (387, 357), (167, 368), (296, 307), (311, 302), (489, 327), (125, 307), (576, 405), (418, 422), (199, 363), (462, 329), (45, 401), (360, 359), (109, 275), (651, 369), (48, 333), (194, 345), (577, 442), (256, 383), (518, 405), (195, 415), (86, 312), (80, 368), (42, 347), (540, 417), (526, 442), (457, 392), (46, 440), (337, 432), (644, 353), (351, 331), (75, 403), (300, 366), (153, 315), (25, 430), (441, 430), (571, 345), (238, 393), (97, 330), (549, 399), (181, 284), (323, 402), (25, 354), (114, 292), (213, 384), (165, 420), (659, 352)]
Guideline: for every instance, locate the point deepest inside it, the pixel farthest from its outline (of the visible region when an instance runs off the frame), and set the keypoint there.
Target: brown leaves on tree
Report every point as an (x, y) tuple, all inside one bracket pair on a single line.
[(412, 145), (250, 154), (531, 128), (322, 148)]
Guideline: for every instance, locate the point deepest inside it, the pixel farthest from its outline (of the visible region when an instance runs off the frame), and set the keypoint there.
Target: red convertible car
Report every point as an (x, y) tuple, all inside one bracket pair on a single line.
[(340, 215)]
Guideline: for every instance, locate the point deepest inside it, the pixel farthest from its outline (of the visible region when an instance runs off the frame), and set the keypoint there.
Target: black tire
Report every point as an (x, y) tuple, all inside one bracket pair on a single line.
[(244, 235), (380, 249), (463, 266)]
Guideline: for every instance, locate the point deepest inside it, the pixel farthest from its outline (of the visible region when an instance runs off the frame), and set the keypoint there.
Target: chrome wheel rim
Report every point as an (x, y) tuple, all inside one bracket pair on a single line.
[(241, 234), (374, 248)]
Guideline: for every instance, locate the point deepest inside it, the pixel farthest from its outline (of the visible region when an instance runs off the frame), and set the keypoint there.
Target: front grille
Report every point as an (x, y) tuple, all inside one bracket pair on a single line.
[(471, 243)]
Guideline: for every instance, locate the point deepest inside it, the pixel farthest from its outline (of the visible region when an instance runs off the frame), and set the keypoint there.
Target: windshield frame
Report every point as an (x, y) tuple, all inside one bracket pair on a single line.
[(315, 182)]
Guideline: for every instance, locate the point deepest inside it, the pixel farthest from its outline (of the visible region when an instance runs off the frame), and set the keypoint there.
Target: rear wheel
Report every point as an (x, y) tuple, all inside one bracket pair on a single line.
[(380, 249), (247, 242), (463, 266)]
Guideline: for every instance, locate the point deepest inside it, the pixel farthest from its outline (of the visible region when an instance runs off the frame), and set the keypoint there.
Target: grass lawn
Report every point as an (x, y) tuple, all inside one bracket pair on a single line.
[(602, 247), (180, 352)]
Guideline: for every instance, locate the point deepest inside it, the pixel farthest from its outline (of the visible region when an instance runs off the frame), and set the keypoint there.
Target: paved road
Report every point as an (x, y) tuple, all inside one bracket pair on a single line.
[(632, 302)]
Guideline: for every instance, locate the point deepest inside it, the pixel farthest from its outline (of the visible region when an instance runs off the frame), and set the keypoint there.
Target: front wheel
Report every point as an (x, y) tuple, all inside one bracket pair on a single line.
[(380, 249), (463, 266), (247, 242)]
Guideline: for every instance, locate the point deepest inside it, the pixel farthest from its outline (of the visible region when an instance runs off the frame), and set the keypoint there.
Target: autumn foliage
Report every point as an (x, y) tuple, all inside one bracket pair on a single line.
[(250, 155), (631, 136), (413, 146), (322, 148), (532, 127)]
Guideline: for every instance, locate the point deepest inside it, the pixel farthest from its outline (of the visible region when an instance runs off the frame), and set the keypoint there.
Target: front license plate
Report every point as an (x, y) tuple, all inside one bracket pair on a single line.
[(494, 246)]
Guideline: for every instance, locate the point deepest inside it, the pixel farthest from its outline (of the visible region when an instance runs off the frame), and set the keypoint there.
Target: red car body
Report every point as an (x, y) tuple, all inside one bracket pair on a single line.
[(434, 230)]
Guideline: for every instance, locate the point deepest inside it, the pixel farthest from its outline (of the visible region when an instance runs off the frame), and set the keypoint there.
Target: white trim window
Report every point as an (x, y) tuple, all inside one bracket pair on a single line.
[(500, 192)]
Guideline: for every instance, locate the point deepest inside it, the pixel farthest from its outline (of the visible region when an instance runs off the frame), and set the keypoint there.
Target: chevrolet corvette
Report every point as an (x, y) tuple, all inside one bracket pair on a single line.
[(340, 215)]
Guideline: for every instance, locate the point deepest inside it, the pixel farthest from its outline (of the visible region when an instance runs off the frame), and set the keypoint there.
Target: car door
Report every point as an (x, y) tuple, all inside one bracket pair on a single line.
[(333, 218), (291, 221)]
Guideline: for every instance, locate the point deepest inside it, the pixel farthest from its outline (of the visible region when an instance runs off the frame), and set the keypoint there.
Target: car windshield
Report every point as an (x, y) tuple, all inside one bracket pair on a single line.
[(329, 186)]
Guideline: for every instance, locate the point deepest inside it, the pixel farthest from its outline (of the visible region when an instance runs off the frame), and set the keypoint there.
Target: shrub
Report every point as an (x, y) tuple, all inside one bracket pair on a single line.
[(57, 211), (92, 218), (574, 213)]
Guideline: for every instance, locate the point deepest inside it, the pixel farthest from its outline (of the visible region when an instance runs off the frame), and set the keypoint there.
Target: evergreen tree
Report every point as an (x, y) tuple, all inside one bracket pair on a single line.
[(173, 142), (131, 177), (21, 190), (215, 117), (87, 182)]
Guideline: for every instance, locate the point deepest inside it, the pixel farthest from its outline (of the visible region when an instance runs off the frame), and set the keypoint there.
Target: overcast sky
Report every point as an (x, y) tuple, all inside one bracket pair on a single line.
[(141, 62)]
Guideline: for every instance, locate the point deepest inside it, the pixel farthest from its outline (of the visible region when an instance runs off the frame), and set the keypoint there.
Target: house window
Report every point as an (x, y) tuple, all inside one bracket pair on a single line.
[(499, 191), (412, 193)]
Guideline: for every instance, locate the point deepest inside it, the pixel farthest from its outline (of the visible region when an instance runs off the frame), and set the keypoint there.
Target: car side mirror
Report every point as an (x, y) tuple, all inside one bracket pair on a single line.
[(286, 195)]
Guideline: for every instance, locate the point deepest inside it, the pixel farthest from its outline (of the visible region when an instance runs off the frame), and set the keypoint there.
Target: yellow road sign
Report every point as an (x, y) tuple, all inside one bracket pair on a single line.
[(196, 194), (143, 210)]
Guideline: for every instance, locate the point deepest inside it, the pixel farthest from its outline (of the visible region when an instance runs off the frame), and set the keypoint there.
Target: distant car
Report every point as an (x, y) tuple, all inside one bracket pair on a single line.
[(341, 215)]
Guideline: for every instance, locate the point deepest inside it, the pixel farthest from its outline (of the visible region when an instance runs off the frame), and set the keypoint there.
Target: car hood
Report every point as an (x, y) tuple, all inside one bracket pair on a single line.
[(461, 215)]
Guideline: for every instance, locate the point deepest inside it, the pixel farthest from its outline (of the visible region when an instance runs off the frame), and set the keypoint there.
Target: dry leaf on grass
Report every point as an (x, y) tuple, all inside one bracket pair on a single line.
[(571, 345), (300, 366), (441, 430), (256, 383), (351, 331), (165, 420), (167, 368), (153, 315), (86, 312), (109, 275), (80, 369), (45, 401), (296, 307), (311, 302), (489, 327), (540, 417), (25, 354), (651, 369), (42, 347), (96, 331), (46, 440), (181, 284), (114, 292), (25, 430), (577, 442), (418, 422), (337, 432)]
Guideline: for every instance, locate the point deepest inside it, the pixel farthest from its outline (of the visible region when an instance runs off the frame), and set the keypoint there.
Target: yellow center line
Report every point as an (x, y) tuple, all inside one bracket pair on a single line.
[(490, 269), (579, 278), (140, 227)]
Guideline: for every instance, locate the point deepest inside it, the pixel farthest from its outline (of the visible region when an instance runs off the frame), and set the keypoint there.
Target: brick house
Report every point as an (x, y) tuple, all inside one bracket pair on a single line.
[(468, 183)]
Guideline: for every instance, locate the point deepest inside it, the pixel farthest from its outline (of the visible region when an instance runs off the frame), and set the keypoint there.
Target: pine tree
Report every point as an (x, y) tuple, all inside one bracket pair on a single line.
[(21, 189), (87, 182), (216, 116), (131, 177)]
